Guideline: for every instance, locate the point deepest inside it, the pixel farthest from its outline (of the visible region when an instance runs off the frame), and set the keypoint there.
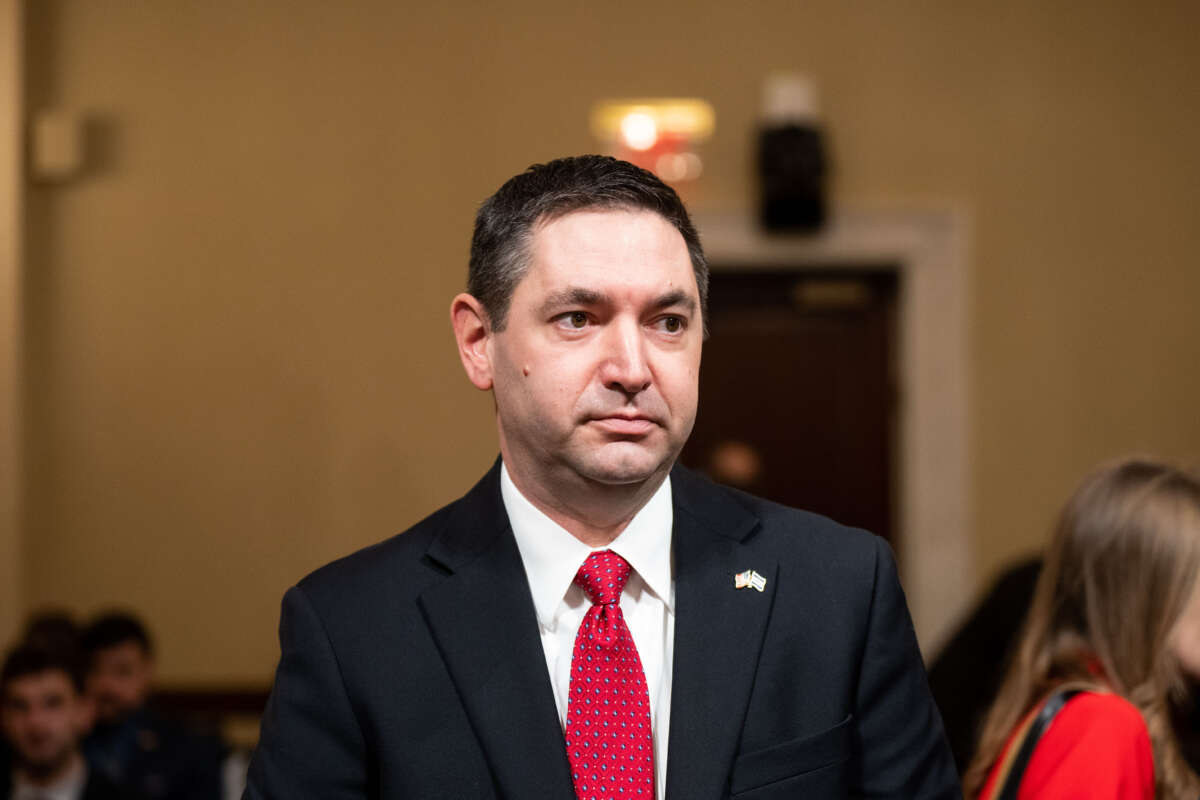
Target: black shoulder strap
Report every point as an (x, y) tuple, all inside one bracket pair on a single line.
[(1049, 709)]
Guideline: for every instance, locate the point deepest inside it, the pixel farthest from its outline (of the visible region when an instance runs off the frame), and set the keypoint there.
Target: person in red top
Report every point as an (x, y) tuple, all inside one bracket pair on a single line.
[(1098, 748), (1116, 617)]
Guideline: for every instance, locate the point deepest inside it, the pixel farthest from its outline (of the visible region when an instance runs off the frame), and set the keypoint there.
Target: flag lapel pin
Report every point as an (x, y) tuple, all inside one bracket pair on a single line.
[(750, 579)]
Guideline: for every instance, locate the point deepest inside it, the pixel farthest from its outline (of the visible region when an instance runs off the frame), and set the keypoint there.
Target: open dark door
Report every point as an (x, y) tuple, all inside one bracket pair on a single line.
[(797, 391)]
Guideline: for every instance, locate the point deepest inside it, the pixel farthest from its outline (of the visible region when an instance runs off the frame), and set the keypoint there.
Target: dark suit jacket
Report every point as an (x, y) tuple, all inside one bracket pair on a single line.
[(156, 758), (99, 787), (413, 668)]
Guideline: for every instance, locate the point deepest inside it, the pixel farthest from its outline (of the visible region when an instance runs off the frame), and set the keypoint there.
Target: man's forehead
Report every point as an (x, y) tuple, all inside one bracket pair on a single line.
[(599, 243), (125, 649), (51, 681)]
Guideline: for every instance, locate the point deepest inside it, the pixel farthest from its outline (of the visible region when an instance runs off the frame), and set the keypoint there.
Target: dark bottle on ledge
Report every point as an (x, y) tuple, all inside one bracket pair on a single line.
[(792, 165)]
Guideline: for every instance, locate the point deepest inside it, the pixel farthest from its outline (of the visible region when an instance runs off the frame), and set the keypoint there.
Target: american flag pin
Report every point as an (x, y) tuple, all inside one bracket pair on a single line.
[(751, 579)]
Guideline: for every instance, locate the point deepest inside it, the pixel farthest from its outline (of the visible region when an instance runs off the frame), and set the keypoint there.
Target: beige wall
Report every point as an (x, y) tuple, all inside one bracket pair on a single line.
[(240, 363)]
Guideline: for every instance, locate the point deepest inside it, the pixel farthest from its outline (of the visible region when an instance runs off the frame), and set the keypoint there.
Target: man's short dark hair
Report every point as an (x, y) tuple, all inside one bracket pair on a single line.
[(506, 220), (28, 659), (115, 628), (53, 629)]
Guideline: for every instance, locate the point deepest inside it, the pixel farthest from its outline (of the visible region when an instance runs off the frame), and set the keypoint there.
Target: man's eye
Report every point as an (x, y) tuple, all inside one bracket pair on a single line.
[(671, 324), (575, 319)]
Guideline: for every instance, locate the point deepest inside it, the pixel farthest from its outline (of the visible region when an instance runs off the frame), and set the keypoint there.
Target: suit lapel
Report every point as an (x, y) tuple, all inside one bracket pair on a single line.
[(483, 621), (718, 636)]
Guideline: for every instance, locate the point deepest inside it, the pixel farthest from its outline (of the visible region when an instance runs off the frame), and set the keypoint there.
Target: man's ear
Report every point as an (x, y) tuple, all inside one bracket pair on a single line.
[(473, 333)]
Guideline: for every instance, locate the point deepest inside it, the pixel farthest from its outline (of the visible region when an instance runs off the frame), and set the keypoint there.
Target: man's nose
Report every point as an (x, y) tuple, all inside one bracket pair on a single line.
[(625, 367), (37, 722)]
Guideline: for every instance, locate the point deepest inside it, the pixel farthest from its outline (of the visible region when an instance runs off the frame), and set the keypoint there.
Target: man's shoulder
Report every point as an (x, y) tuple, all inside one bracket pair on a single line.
[(100, 787), (398, 561), (408, 560)]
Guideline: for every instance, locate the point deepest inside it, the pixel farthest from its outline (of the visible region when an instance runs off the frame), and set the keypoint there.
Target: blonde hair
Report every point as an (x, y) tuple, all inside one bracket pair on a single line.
[(1118, 574)]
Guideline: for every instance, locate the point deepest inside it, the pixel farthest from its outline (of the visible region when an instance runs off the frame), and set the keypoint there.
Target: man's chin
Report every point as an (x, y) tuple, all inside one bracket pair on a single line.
[(43, 765), (624, 464)]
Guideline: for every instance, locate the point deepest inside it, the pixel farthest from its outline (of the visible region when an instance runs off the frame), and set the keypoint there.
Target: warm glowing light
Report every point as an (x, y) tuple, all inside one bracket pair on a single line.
[(674, 167), (686, 118), (639, 130), (658, 134)]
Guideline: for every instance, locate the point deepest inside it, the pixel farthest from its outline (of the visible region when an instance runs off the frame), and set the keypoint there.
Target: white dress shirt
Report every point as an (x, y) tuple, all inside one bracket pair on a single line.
[(69, 787), (552, 556)]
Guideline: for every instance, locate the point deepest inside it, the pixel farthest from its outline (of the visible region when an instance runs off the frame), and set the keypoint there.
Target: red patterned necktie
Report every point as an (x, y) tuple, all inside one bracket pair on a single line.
[(609, 744)]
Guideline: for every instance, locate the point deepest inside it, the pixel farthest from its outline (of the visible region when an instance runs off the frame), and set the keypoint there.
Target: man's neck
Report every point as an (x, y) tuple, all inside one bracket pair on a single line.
[(53, 776), (594, 513)]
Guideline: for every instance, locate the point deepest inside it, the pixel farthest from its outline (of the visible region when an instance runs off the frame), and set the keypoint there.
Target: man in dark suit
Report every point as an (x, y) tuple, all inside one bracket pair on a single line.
[(592, 620), (43, 714)]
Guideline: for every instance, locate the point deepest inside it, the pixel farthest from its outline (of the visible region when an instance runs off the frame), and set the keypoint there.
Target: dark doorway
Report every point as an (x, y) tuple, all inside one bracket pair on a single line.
[(798, 390)]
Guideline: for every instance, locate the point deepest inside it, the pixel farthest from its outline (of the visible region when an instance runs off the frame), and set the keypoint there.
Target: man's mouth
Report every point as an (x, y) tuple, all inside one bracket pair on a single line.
[(625, 424)]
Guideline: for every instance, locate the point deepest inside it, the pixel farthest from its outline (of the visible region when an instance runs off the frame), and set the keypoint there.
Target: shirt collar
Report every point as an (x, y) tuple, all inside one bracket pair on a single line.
[(552, 555), (69, 787)]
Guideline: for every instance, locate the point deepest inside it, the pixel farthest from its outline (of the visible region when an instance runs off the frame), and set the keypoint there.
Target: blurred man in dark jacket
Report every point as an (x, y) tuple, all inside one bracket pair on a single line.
[(44, 713), (130, 743)]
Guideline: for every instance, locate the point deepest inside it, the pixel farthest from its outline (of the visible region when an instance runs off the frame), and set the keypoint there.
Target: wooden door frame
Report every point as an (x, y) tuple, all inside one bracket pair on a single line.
[(11, 237), (932, 498)]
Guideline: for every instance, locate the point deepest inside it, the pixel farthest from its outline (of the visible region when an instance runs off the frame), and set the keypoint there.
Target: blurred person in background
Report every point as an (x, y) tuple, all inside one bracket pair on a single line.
[(48, 629), (54, 629), (1101, 680), (966, 674), (131, 743), (44, 713)]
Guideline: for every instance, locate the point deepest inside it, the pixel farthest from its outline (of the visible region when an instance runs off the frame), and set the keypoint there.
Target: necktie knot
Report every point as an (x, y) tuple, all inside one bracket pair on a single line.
[(603, 576)]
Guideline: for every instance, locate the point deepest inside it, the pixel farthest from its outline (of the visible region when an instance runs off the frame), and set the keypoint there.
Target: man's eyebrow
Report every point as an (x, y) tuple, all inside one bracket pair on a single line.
[(676, 298), (572, 296), (579, 296)]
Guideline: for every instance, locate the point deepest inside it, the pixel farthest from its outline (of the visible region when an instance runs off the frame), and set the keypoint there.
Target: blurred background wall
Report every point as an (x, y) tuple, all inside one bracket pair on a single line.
[(237, 362), (11, 147)]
